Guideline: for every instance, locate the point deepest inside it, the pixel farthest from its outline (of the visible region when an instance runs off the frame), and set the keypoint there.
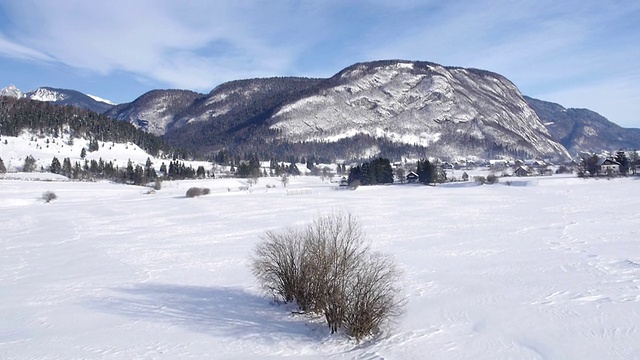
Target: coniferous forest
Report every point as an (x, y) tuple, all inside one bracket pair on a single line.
[(43, 118)]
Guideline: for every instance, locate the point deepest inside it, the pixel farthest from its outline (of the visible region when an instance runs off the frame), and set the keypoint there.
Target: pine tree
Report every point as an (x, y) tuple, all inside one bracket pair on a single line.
[(83, 153), (3, 169), (200, 172), (56, 167), (29, 164), (622, 158), (426, 171), (66, 167)]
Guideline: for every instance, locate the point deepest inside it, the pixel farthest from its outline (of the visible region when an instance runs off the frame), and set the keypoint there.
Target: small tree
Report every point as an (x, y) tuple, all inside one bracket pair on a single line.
[(56, 167), (3, 169), (284, 180), (83, 153), (29, 164)]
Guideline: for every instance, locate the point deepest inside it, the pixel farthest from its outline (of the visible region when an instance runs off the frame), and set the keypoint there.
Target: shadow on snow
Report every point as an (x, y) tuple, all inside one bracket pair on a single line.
[(219, 311)]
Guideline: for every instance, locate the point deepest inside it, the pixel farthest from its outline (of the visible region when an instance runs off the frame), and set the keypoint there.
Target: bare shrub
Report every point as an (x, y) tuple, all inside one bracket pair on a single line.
[(492, 179), (328, 269), (49, 196), (157, 185), (480, 179), (372, 297), (197, 191)]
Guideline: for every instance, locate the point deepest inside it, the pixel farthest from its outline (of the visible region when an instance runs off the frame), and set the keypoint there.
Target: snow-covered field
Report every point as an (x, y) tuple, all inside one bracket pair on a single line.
[(548, 268)]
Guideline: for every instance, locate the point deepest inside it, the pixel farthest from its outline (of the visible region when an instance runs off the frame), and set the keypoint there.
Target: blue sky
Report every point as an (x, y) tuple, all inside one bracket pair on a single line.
[(583, 54)]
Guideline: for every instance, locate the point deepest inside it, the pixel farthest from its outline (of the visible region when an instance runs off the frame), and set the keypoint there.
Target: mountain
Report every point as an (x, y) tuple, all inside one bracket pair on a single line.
[(45, 118), (400, 107), (68, 97), (12, 91), (583, 130), (155, 111), (60, 97)]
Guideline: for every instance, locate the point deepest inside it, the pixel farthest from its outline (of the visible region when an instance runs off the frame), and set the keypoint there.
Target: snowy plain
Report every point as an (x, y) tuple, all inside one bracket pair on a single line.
[(548, 268)]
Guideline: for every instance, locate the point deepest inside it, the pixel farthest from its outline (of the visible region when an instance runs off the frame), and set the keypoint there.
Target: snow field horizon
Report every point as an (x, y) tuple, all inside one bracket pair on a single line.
[(548, 269)]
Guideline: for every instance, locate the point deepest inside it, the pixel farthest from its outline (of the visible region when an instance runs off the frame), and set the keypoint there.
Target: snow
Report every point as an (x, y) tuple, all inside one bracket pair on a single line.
[(42, 94), (12, 91), (548, 269), (17, 148), (99, 99)]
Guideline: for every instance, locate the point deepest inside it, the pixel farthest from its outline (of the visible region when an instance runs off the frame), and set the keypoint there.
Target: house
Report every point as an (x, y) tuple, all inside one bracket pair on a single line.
[(521, 172), (412, 177), (344, 182), (608, 166)]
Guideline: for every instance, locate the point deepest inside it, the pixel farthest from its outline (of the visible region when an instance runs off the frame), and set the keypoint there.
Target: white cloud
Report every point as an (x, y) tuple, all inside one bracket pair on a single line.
[(193, 45), (11, 49)]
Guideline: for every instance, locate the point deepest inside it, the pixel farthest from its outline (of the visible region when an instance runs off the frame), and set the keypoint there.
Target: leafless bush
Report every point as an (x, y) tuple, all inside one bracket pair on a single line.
[(326, 268), (49, 196), (492, 179), (372, 297), (480, 179), (196, 191)]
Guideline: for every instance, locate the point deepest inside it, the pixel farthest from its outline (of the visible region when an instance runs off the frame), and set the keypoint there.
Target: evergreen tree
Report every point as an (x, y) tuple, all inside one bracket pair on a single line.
[(3, 169), (200, 171), (138, 175), (29, 164), (129, 175), (163, 169), (83, 153), (427, 172), (77, 171), (365, 175), (622, 158), (56, 167), (355, 174), (66, 167)]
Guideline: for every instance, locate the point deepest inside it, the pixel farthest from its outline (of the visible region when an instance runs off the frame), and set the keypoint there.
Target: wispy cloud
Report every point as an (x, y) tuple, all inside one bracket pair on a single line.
[(11, 49), (192, 45)]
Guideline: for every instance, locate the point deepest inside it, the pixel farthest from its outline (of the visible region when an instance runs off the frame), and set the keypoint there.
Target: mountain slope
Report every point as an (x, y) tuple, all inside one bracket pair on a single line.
[(156, 110), (399, 107), (442, 109), (583, 130), (68, 97), (60, 97)]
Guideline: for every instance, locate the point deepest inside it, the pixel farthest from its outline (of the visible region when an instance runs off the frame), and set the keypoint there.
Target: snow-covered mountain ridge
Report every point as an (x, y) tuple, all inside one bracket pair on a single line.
[(61, 97), (420, 103), (421, 106)]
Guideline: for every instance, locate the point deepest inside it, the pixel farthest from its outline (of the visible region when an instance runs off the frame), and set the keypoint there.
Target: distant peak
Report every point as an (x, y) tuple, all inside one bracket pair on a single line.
[(99, 99), (12, 91), (46, 94)]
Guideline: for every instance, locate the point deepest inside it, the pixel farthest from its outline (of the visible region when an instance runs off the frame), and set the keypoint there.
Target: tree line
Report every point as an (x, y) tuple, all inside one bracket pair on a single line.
[(53, 120)]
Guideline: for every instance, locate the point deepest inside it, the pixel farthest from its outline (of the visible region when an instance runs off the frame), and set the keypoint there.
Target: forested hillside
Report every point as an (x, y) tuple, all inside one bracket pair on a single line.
[(17, 115)]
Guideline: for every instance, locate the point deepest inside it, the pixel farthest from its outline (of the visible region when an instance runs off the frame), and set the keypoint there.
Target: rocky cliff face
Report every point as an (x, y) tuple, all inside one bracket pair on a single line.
[(424, 108), (445, 109)]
